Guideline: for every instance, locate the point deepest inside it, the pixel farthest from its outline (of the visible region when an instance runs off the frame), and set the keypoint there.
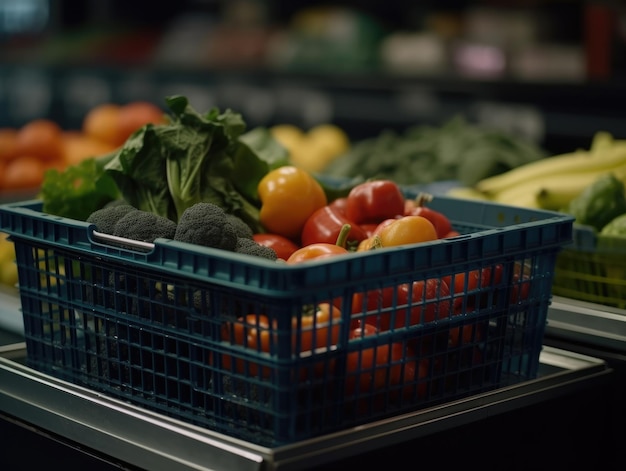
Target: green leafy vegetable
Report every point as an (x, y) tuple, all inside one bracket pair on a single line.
[(423, 154), (79, 190), (193, 158)]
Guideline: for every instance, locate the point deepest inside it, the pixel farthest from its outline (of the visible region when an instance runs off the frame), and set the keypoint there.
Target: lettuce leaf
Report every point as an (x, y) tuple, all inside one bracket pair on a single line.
[(79, 190)]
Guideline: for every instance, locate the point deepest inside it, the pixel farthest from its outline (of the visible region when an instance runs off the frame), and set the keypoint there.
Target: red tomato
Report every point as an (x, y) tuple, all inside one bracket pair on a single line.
[(430, 297), (372, 369), (424, 293), (520, 280), (317, 327), (374, 201), (461, 285), (325, 225), (418, 207), (251, 331), (463, 282), (281, 245), (465, 334)]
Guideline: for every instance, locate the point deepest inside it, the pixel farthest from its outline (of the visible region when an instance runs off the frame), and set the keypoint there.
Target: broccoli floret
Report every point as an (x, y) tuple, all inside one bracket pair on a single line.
[(206, 224), (242, 229), (251, 247), (106, 218), (144, 226), (117, 202)]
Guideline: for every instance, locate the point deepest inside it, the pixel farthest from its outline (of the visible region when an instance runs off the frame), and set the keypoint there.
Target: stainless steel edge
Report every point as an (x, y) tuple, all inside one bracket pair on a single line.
[(564, 373), (11, 310), (130, 434), (153, 441), (589, 323)]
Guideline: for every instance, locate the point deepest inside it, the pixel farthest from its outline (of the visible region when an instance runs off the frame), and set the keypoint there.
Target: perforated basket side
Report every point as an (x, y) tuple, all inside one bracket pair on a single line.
[(159, 327), (592, 269)]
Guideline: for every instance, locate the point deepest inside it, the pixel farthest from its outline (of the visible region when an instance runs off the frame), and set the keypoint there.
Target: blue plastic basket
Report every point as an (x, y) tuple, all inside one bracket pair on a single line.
[(155, 324)]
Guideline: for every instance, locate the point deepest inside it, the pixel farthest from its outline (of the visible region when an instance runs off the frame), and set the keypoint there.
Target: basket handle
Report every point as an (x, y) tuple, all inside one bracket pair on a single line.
[(138, 245)]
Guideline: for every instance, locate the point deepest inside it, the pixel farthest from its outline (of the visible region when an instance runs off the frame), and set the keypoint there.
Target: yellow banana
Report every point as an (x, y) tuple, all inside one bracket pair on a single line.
[(557, 196), (578, 162), (551, 191), (466, 192), (603, 140), (523, 195), (556, 193)]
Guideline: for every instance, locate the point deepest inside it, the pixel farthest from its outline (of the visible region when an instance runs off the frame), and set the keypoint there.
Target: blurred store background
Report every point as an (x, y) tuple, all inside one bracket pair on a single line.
[(552, 71), (401, 85)]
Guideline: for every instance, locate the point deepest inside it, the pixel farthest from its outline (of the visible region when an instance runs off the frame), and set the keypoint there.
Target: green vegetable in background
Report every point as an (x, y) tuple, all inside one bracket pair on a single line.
[(166, 168), (457, 150), (599, 203), (615, 227), (610, 250)]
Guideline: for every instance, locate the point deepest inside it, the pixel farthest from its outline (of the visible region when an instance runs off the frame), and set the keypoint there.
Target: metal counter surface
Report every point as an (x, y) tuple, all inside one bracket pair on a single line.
[(10, 311), (152, 441), (577, 321)]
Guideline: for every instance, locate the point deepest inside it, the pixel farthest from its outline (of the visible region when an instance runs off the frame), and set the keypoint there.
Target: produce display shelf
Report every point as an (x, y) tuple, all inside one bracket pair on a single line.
[(149, 440)]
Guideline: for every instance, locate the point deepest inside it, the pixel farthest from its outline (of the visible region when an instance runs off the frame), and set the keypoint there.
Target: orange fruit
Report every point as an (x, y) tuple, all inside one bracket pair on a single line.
[(8, 143), (78, 146), (136, 114), (102, 123), (40, 138), (407, 230), (23, 172)]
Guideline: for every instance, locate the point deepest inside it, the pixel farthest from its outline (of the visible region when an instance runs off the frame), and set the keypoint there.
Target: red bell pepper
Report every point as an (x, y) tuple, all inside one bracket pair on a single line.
[(325, 224), (374, 201)]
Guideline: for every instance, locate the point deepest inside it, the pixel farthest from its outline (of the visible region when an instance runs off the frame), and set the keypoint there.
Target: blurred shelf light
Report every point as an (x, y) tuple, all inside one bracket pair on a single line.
[(23, 16), (480, 60)]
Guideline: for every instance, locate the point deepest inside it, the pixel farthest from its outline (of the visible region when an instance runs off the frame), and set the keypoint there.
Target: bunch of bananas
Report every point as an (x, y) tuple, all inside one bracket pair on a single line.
[(314, 149), (551, 183)]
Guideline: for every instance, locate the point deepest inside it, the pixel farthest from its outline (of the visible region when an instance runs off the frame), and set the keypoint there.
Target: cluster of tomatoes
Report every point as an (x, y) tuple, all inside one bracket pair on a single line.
[(28, 151), (374, 214)]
